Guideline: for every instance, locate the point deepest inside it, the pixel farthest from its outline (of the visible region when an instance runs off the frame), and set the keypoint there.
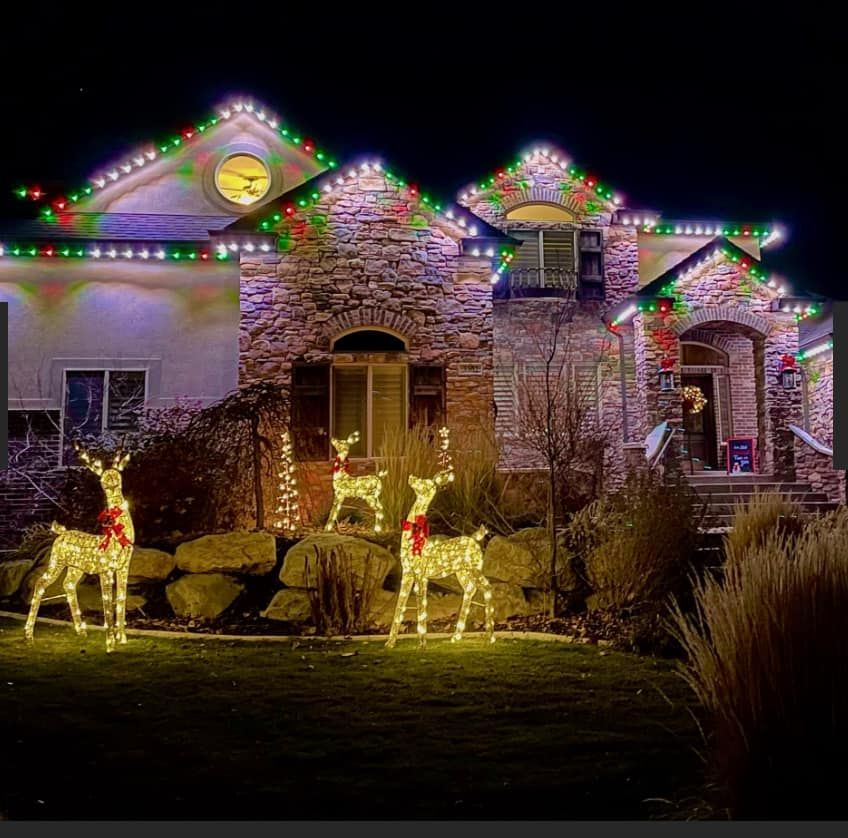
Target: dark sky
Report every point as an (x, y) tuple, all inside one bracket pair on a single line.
[(700, 116)]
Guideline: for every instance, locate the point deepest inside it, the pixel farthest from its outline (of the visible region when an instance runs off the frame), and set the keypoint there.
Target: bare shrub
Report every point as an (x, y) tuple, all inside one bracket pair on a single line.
[(636, 546), (766, 656), (340, 598), (754, 522), (35, 544)]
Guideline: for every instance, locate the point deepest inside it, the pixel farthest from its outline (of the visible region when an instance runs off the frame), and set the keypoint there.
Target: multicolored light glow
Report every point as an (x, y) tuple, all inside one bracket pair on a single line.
[(106, 252), (152, 151)]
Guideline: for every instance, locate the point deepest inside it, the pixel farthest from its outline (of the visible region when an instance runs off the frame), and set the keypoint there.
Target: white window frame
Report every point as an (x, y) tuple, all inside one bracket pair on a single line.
[(369, 406), (104, 418)]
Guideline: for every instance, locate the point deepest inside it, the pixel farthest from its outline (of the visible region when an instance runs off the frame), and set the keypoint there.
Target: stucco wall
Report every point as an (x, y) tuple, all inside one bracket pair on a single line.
[(181, 321)]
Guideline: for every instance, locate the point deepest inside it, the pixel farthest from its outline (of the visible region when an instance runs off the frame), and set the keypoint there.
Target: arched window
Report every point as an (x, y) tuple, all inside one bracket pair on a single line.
[(539, 212), (369, 390)]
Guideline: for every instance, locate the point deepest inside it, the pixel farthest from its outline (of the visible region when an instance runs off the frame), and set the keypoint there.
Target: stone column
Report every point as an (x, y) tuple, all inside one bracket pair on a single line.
[(779, 407)]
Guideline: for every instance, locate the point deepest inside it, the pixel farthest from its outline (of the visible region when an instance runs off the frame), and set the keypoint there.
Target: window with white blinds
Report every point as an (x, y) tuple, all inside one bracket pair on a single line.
[(371, 399)]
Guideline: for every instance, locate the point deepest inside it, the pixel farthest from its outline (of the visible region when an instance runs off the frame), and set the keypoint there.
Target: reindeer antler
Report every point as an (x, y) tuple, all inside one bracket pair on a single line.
[(120, 459), (93, 465)]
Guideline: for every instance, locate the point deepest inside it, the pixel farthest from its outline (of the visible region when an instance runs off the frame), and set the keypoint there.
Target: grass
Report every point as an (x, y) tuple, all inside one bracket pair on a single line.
[(192, 729)]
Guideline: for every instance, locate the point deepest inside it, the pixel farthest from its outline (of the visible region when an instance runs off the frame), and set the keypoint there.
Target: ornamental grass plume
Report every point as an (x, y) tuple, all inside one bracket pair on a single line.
[(765, 653), (764, 514)]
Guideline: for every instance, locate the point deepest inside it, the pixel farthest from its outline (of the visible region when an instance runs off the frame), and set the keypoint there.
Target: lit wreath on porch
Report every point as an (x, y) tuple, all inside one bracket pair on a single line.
[(694, 399)]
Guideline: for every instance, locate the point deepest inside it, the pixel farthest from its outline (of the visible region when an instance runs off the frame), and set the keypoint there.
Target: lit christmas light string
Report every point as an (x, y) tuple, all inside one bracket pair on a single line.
[(311, 197), (152, 151), (107, 555), (814, 351), (657, 227), (367, 487), (423, 559), (288, 507), (107, 252), (505, 176)]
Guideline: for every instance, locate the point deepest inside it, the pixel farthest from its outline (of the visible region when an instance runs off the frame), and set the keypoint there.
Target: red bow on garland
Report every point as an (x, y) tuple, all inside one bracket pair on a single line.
[(341, 465), (108, 520), (420, 532)]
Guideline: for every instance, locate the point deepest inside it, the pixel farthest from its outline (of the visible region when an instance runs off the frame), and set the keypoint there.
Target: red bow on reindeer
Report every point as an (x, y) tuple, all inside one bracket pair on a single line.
[(341, 465), (420, 532), (108, 520)]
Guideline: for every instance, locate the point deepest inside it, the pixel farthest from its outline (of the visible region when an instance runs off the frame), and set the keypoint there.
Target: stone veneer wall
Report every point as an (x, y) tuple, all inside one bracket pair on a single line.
[(522, 330), (818, 372), (364, 257), (721, 294)]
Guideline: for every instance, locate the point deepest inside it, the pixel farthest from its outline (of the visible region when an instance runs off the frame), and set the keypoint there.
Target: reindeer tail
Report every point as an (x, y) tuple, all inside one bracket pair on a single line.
[(382, 474), (481, 533), (57, 528)]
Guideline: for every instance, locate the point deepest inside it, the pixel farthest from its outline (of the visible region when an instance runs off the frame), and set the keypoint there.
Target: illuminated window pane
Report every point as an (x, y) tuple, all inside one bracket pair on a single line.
[(350, 406), (388, 395), (243, 179)]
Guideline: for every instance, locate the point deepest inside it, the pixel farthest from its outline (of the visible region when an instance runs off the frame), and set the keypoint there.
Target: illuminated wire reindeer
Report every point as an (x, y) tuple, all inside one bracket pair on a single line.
[(108, 555), (423, 559), (367, 487)]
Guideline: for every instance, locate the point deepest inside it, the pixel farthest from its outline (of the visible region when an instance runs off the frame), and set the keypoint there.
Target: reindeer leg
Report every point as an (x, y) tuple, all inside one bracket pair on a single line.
[(421, 594), (400, 608), (121, 599), (486, 585), (48, 578), (469, 587), (107, 581), (334, 513), (72, 577), (378, 513)]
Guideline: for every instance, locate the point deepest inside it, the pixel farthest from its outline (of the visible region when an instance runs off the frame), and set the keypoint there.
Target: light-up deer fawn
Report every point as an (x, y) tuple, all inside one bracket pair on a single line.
[(422, 559), (108, 555), (367, 487)]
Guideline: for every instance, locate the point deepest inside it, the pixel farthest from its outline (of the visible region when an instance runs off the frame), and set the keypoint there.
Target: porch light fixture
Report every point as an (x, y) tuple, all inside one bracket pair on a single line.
[(666, 375), (788, 372)]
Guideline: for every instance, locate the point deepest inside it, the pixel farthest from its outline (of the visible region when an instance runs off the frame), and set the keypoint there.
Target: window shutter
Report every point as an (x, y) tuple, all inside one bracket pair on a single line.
[(505, 397), (311, 411), (591, 265), (388, 394), (427, 396), (126, 399)]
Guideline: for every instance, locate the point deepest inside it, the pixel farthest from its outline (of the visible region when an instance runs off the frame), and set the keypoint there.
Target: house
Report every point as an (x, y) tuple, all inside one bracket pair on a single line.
[(239, 250)]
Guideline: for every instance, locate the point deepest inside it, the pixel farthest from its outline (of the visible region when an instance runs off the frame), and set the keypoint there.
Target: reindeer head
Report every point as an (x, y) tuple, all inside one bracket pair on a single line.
[(425, 488), (343, 446), (110, 477)]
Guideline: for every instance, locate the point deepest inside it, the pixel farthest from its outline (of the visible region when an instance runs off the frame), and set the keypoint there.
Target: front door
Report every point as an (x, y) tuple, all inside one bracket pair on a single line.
[(699, 426)]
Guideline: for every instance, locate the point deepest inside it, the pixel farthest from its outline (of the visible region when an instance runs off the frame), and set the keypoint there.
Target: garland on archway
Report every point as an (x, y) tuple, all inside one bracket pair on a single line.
[(694, 399)]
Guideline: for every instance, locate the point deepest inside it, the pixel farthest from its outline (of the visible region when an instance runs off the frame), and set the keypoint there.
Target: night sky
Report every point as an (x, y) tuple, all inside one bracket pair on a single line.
[(704, 117)]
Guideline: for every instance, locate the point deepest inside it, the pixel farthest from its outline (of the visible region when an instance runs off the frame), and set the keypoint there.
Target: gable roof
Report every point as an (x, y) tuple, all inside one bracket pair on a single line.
[(310, 194), (663, 285), (556, 157), (153, 150), (814, 330)]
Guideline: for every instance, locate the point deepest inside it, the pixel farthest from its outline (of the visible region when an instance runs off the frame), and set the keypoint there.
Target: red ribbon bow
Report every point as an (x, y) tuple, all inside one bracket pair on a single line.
[(108, 520), (420, 532), (666, 364), (788, 361), (341, 465)]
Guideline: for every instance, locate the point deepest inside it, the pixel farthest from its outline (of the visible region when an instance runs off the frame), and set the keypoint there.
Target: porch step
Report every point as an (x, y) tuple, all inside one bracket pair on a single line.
[(723, 492)]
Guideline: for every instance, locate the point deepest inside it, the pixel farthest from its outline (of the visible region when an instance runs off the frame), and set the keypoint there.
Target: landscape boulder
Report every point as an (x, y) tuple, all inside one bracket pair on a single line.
[(362, 555), (289, 604), (91, 600), (520, 559), (12, 574), (235, 552), (202, 594), (147, 565)]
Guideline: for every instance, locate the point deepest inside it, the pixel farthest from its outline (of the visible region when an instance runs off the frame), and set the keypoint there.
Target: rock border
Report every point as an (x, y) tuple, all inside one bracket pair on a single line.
[(300, 638)]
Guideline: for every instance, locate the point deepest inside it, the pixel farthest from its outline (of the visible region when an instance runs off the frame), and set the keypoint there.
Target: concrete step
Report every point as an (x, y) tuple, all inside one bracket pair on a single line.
[(715, 520), (751, 489), (732, 497), (812, 507)]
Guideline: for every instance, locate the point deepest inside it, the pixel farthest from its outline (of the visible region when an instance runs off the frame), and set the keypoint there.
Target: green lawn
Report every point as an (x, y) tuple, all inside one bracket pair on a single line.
[(219, 729)]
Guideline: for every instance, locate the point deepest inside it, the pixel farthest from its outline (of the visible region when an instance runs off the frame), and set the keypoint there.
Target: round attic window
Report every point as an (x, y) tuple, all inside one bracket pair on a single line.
[(242, 179)]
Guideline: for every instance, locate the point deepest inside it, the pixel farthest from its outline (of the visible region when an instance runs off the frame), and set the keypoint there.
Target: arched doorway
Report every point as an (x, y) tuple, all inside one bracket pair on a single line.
[(704, 370)]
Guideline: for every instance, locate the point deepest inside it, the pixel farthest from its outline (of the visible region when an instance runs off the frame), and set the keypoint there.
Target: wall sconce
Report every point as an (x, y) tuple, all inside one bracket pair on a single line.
[(666, 375), (788, 372)]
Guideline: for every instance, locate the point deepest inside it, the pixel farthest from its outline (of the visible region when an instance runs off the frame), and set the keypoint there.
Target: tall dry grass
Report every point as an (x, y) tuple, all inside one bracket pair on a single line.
[(636, 546), (764, 515), (766, 656), (477, 493)]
